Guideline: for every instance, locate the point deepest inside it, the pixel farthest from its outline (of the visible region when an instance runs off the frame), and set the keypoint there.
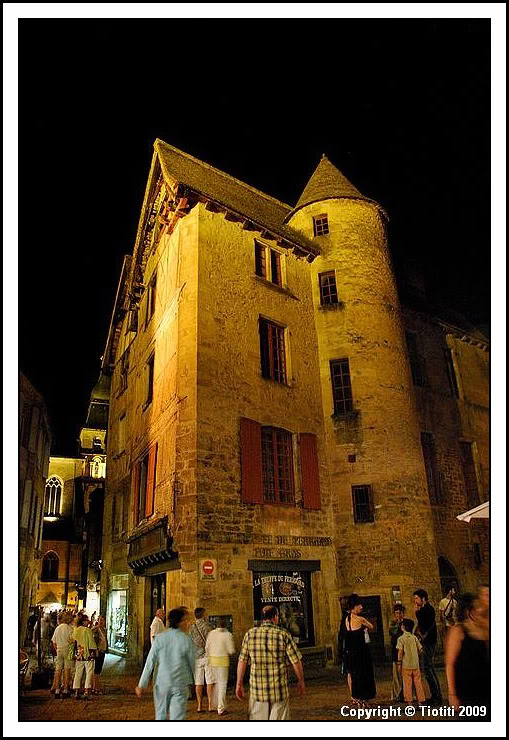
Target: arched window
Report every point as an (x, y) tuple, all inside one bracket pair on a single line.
[(53, 496), (50, 566)]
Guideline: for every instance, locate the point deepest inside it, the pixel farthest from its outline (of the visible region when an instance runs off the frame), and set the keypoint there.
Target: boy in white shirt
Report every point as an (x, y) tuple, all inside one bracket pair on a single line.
[(218, 648)]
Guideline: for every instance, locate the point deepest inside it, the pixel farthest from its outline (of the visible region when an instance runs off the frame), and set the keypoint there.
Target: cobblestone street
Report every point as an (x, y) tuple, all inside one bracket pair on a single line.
[(323, 700)]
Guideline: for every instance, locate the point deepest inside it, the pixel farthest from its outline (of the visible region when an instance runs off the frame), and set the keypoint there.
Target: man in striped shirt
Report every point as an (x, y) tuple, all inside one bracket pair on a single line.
[(269, 648)]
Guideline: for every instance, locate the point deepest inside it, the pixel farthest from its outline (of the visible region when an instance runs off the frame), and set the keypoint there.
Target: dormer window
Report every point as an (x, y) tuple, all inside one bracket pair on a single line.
[(321, 225)]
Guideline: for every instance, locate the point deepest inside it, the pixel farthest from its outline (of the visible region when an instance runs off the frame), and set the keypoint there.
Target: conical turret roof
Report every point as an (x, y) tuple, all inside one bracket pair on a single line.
[(325, 183)]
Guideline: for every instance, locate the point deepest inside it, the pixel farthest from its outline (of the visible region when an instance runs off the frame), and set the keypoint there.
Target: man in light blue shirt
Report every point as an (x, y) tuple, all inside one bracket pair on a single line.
[(174, 655)]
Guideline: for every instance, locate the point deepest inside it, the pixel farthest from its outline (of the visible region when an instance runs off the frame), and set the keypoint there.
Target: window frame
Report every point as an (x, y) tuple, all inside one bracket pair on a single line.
[(269, 264), (431, 468), (331, 298), (321, 225), (338, 389), (53, 498), (357, 506), (274, 345), (150, 363), (49, 574), (416, 360), (278, 466)]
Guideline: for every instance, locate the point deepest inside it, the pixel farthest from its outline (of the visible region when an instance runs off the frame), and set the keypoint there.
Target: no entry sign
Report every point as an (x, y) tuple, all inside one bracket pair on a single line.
[(208, 569)]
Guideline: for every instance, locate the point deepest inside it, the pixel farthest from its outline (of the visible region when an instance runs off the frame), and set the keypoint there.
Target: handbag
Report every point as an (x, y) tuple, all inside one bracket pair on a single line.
[(366, 637)]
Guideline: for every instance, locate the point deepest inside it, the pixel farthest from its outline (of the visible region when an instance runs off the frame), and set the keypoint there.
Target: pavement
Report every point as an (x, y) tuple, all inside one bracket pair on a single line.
[(324, 698)]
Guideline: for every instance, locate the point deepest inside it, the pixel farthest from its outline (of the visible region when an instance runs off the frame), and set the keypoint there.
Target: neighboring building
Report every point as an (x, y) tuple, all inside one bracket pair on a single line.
[(73, 506), (270, 439), (34, 451)]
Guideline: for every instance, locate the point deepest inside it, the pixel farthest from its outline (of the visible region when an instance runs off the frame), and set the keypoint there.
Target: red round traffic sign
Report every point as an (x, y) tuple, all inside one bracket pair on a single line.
[(208, 567)]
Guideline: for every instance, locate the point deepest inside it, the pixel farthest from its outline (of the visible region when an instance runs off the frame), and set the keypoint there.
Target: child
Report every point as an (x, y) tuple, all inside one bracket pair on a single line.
[(409, 649)]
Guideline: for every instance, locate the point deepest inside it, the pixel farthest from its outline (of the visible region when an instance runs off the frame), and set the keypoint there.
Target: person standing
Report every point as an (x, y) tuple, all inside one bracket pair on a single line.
[(218, 648), (174, 655), (157, 625), (359, 656), (447, 610), (395, 632), (86, 650), (202, 672), (409, 649), (427, 633), (63, 665), (467, 656), (101, 640), (268, 647)]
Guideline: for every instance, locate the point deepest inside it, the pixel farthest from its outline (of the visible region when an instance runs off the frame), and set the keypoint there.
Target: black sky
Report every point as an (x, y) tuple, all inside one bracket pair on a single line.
[(401, 107)]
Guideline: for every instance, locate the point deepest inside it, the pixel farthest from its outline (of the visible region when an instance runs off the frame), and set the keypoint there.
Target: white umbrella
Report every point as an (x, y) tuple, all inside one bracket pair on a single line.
[(480, 512)]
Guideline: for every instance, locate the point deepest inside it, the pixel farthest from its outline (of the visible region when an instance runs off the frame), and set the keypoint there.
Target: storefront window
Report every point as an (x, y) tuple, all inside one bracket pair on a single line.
[(117, 636), (291, 593)]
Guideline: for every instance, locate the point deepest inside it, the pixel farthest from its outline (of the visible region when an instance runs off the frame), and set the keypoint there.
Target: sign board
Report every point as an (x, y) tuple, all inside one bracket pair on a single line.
[(208, 569)]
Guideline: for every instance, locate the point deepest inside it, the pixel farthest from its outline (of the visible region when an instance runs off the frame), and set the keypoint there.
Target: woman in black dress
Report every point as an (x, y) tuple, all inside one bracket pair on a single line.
[(358, 654), (467, 658)]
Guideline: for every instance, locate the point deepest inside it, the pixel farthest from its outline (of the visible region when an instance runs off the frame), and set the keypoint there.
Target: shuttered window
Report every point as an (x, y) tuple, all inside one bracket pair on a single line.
[(251, 461), (309, 471), (363, 509), (144, 480), (272, 351), (267, 466)]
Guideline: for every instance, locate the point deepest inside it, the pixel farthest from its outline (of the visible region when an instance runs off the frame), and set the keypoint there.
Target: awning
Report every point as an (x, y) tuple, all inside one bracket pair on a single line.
[(480, 512)]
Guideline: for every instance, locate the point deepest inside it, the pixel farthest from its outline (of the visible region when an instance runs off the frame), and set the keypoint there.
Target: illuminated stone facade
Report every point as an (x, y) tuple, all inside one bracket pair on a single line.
[(233, 469), (34, 449)]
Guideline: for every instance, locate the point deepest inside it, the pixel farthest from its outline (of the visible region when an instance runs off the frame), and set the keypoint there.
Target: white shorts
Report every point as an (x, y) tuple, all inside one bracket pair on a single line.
[(203, 672)]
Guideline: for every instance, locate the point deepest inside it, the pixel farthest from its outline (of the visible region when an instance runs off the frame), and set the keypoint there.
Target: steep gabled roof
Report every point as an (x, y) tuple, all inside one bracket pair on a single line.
[(328, 182), (261, 209)]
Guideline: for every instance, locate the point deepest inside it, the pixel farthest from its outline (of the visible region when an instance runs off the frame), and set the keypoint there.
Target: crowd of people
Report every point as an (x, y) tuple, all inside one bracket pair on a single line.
[(199, 653), (79, 645)]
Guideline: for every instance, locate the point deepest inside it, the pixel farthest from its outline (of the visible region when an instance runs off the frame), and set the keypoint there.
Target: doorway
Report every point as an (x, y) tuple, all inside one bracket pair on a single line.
[(448, 576), (158, 593)]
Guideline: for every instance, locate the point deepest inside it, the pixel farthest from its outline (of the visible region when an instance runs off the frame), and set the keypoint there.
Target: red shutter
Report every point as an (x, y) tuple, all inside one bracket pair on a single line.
[(151, 480), (309, 468), (136, 501), (251, 461)]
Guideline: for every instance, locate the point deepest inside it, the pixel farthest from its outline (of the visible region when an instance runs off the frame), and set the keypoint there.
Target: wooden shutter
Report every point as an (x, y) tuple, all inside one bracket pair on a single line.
[(251, 461), (136, 493), (309, 469), (151, 480)]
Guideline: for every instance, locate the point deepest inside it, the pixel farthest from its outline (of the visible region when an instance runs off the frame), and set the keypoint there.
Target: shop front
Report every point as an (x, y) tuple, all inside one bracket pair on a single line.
[(118, 614), (287, 584)]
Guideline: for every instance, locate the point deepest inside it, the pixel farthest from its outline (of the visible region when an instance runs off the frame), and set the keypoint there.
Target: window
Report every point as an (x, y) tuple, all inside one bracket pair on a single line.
[(363, 510), (144, 485), (121, 433), (416, 361), (328, 288), (291, 591), (151, 299), (275, 267), (320, 225), (50, 567), (341, 386), (451, 373), (431, 467), (469, 474), (124, 371), (97, 444), (260, 260), (52, 496), (272, 351), (268, 263), (277, 466), (150, 381)]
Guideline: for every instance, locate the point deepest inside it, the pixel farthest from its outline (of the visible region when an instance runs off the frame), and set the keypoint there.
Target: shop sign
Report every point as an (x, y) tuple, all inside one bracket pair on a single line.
[(290, 592), (208, 569)]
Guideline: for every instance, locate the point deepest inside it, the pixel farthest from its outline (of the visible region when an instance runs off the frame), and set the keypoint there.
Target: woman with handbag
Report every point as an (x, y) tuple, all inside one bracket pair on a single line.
[(86, 651)]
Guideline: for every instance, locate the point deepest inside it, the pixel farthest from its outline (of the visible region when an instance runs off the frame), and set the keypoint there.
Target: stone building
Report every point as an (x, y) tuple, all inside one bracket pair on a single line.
[(270, 439), (73, 504), (34, 452)]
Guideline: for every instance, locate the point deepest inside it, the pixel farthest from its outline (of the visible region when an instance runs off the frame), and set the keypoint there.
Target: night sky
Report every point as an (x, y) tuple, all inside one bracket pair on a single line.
[(401, 107)]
